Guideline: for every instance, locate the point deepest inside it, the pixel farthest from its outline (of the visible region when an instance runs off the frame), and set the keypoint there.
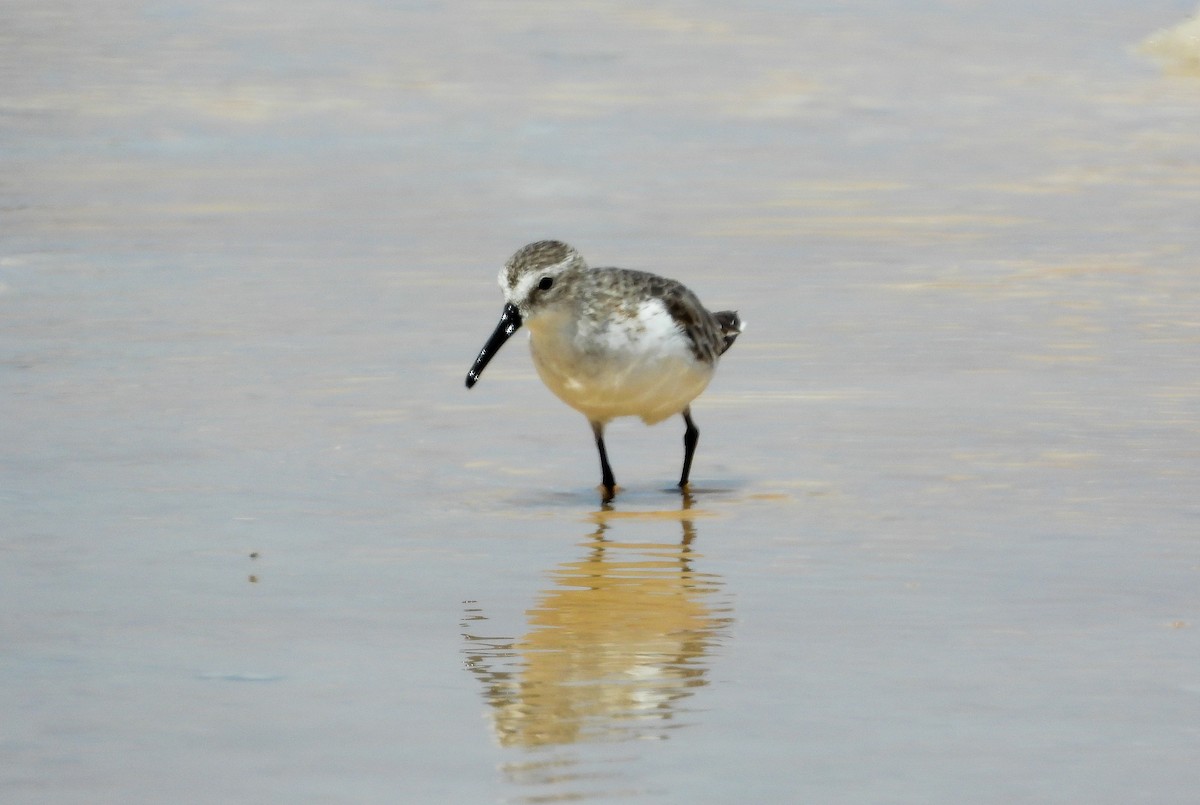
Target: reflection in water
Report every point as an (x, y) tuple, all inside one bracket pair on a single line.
[(614, 647)]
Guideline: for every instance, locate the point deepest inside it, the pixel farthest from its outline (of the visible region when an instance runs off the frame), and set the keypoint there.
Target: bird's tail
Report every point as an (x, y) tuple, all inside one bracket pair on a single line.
[(731, 326)]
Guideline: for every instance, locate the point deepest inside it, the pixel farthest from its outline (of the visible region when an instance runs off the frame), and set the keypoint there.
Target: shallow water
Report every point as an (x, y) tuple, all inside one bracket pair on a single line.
[(261, 545)]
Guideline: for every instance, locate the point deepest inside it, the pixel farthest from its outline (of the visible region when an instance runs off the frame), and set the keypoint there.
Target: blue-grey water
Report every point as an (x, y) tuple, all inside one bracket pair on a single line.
[(259, 543)]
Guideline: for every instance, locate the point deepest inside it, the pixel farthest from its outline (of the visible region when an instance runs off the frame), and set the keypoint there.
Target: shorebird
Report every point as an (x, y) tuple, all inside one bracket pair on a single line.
[(611, 342)]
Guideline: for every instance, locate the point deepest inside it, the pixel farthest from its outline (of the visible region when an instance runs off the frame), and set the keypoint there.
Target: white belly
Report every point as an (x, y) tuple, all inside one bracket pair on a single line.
[(642, 367)]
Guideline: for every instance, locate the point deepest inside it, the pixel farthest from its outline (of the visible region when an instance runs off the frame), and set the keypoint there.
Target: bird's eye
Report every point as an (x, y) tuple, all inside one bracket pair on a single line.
[(545, 284)]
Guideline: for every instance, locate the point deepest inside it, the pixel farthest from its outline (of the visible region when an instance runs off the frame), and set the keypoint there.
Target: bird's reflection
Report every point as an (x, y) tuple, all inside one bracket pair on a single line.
[(614, 646)]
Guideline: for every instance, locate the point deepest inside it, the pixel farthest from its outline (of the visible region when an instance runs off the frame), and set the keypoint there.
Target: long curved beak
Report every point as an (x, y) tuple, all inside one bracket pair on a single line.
[(510, 322)]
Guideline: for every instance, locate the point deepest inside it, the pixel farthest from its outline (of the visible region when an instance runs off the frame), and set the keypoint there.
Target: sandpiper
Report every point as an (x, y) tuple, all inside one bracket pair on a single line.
[(611, 342)]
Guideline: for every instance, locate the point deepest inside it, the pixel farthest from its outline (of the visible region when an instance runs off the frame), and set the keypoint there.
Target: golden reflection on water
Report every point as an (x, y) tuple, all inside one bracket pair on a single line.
[(615, 645), (1177, 48)]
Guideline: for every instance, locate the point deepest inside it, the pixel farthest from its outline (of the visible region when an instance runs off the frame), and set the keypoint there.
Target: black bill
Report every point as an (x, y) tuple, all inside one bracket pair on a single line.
[(510, 322)]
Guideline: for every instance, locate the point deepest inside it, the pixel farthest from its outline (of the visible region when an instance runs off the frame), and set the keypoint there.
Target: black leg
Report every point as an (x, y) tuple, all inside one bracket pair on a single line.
[(607, 481), (690, 437)]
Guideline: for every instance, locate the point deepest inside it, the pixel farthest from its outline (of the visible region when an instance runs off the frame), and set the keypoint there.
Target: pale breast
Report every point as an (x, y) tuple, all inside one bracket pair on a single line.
[(634, 362)]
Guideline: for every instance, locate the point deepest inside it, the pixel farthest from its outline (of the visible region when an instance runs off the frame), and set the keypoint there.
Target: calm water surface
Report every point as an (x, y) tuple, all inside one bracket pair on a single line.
[(260, 544)]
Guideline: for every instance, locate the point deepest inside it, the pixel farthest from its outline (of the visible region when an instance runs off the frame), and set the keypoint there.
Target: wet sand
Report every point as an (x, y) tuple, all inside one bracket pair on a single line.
[(261, 545)]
